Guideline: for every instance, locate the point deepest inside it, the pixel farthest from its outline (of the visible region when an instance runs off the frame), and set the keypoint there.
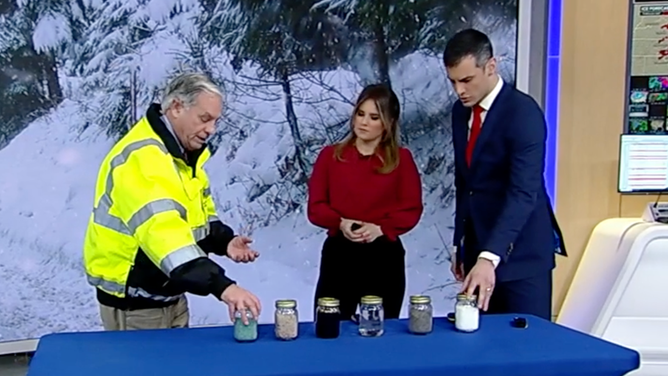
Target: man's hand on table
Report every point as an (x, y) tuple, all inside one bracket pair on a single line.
[(239, 251), (482, 277), (239, 299)]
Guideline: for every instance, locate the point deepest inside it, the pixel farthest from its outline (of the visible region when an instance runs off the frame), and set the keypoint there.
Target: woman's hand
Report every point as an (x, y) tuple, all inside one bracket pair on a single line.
[(346, 228), (368, 233)]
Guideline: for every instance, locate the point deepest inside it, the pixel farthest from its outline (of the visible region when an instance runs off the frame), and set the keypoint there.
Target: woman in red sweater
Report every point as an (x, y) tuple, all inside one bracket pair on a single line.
[(366, 192)]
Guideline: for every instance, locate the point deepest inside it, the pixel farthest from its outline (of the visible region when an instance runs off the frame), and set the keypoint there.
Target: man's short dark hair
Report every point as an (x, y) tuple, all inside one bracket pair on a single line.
[(469, 42)]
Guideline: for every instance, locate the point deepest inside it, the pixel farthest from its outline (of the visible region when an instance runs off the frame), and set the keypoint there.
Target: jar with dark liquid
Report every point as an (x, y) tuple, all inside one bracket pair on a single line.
[(327, 318)]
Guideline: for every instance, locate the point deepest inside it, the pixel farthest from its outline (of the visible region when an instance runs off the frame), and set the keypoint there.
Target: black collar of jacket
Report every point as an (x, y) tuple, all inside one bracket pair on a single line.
[(153, 115)]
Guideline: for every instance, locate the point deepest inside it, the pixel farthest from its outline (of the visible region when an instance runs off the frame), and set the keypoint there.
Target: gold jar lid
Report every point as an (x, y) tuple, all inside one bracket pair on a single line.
[(420, 299), (286, 303), (464, 297), (328, 302), (371, 299)]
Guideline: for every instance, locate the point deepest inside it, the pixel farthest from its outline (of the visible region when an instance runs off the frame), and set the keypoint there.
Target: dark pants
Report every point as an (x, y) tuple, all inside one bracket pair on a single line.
[(350, 270), (532, 295)]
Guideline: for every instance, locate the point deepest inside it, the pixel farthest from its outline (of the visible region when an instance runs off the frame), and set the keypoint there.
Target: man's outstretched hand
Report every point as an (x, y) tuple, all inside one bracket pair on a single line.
[(239, 251)]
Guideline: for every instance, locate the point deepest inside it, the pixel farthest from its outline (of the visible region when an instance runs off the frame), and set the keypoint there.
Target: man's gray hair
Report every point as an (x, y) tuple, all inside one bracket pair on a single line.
[(186, 87)]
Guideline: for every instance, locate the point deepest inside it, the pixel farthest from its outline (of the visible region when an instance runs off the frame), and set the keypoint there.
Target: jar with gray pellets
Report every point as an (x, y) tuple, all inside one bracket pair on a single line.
[(421, 315), (286, 320)]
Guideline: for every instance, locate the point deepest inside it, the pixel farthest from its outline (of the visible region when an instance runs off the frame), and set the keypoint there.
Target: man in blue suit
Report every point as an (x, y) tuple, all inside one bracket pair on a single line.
[(506, 234)]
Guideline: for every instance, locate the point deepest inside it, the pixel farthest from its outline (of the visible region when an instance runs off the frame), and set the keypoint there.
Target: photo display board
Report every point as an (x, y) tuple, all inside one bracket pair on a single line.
[(643, 151), (648, 84)]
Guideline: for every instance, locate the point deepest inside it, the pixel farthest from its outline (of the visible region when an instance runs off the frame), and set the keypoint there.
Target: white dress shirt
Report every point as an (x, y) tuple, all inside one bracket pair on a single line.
[(486, 104)]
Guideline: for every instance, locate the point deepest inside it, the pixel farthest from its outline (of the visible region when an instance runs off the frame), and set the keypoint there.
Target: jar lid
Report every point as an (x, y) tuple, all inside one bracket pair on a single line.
[(286, 303), (371, 299), (328, 302), (420, 299), (464, 297), (247, 312)]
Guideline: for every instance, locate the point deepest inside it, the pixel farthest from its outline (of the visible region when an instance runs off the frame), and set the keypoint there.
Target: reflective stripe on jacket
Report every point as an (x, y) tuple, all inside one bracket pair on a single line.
[(151, 210)]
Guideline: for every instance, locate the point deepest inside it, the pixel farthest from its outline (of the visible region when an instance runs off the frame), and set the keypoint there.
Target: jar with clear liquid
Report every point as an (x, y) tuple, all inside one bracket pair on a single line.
[(372, 316)]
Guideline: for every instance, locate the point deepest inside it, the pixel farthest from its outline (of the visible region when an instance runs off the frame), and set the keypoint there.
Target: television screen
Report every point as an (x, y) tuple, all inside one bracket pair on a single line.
[(77, 76), (643, 163)]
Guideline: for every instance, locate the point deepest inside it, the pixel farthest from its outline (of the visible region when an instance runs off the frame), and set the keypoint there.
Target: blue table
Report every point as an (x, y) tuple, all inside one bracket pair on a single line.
[(542, 349)]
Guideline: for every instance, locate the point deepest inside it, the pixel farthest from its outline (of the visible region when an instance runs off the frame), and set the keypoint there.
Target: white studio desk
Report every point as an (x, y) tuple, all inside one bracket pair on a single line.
[(620, 290)]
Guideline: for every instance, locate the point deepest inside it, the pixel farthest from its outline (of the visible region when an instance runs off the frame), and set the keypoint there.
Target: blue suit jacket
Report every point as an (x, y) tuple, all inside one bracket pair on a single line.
[(503, 192)]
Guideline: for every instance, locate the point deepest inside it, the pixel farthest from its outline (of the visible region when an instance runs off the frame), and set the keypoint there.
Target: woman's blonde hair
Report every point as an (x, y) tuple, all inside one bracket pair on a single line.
[(389, 110)]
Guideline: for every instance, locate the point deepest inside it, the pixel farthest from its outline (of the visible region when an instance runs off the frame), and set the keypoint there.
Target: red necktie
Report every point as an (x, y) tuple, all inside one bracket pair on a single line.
[(476, 124)]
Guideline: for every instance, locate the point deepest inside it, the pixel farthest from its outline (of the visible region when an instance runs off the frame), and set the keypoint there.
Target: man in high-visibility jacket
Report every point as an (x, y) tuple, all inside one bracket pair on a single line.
[(154, 221)]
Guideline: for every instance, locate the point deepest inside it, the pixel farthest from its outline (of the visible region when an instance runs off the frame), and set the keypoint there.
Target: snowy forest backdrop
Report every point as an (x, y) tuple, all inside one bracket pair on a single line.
[(76, 74)]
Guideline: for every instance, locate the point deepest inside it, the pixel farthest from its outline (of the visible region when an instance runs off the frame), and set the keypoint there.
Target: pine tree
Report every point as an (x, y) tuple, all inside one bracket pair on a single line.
[(34, 34)]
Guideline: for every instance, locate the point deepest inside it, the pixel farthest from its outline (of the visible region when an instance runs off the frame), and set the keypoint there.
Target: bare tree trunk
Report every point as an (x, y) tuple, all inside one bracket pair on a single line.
[(133, 99), (382, 59), (292, 122), (49, 71)]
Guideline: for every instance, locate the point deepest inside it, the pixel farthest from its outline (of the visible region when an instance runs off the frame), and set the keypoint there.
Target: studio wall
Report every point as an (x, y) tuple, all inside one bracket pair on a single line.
[(591, 117), (76, 77)]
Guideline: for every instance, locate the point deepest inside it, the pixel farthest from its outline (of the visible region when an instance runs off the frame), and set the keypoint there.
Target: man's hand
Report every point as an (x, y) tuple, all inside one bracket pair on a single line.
[(239, 299), (482, 277), (238, 250), (368, 233), (457, 268), (346, 228)]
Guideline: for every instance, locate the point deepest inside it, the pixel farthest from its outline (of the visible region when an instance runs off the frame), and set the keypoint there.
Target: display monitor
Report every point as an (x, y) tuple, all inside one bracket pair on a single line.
[(61, 117), (643, 163)]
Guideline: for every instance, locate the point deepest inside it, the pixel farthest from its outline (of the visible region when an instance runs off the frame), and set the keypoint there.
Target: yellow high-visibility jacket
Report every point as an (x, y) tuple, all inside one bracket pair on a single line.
[(153, 222)]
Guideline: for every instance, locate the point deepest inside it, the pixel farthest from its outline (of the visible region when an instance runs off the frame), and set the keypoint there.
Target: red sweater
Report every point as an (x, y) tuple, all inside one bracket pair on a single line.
[(353, 189)]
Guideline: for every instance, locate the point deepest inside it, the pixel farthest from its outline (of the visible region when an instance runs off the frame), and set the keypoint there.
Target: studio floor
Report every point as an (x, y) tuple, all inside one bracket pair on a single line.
[(14, 365)]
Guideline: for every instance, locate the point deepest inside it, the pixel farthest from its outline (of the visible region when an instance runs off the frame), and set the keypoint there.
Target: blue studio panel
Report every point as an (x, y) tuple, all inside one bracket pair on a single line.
[(552, 94)]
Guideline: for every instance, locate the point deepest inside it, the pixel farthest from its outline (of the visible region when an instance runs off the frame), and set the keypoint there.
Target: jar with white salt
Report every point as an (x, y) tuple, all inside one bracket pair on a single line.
[(286, 320), (467, 314)]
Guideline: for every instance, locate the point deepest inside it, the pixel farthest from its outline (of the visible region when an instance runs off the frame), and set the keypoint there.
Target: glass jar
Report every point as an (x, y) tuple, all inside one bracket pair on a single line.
[(286, 320), (467, 314), (372, 316), (245, 332), (421, 315), (327, 318)]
